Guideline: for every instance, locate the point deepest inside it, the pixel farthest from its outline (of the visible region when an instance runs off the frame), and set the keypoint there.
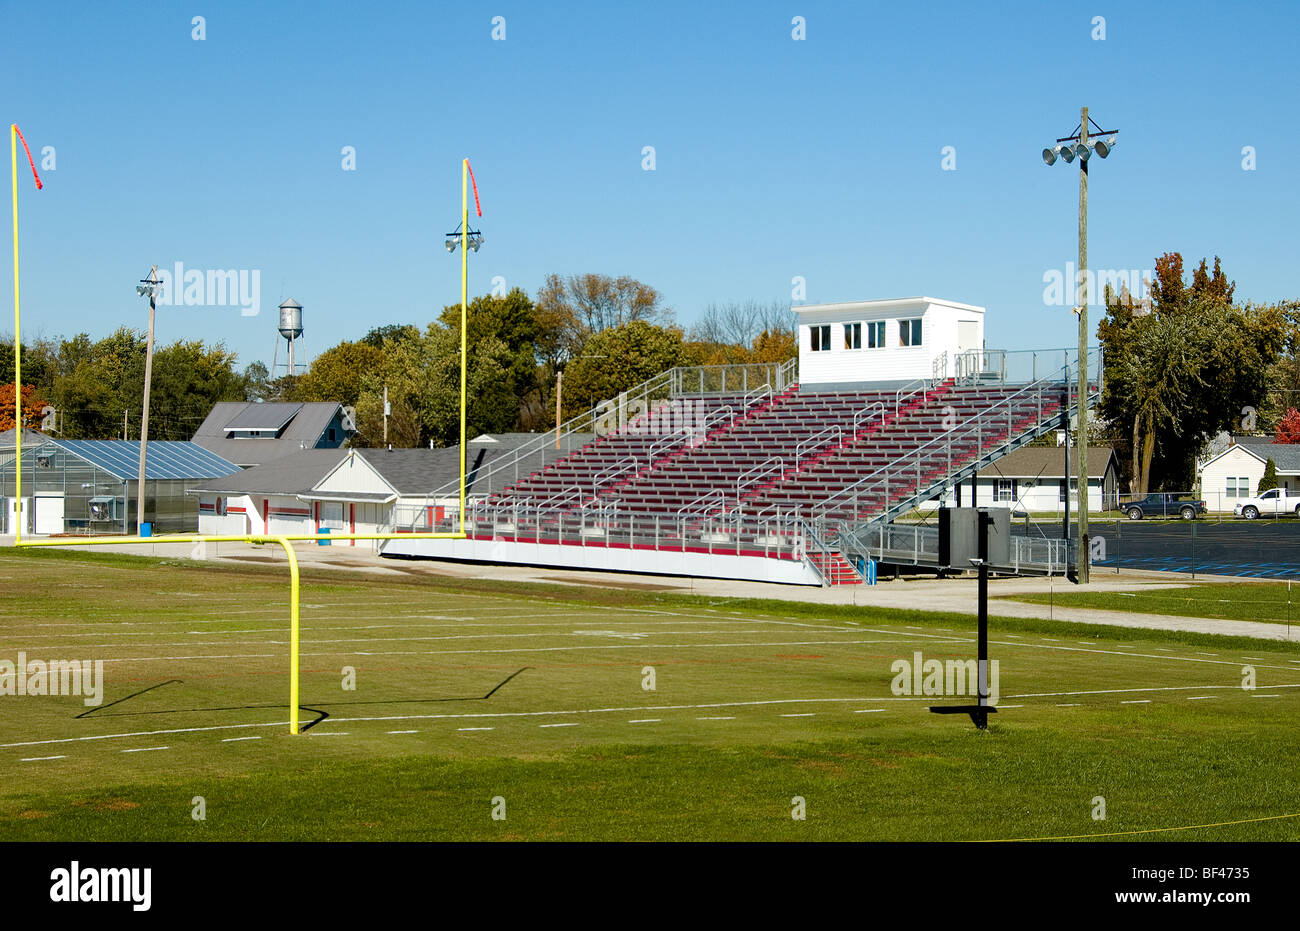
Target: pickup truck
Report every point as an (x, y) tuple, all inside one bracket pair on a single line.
[(1273, 503), (1161, 504)]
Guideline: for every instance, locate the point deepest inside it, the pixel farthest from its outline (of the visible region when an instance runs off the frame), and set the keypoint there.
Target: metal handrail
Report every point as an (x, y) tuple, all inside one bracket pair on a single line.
[(750, 476), (857, 418), (612, 471), (909, 389), (814, 441)]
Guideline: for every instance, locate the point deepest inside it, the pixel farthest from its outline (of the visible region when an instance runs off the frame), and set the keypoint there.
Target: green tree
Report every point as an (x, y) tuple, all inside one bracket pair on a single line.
[(1269, 480), (337, 373), (617, 359), (1186, 370)]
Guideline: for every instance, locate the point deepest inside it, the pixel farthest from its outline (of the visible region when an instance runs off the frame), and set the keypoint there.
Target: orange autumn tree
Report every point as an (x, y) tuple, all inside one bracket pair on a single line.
[(33, 403), (1288, 430)]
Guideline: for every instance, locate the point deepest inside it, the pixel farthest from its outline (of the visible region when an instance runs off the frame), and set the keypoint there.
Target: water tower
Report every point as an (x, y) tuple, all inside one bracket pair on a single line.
[(290, 329)]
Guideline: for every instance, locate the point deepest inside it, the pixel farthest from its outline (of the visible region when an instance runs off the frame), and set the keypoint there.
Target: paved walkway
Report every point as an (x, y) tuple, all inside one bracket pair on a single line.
[(924, 593)]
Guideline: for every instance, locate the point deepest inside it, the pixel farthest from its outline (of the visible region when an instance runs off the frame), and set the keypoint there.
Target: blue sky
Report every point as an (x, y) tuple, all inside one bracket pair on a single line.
[(775, 158)]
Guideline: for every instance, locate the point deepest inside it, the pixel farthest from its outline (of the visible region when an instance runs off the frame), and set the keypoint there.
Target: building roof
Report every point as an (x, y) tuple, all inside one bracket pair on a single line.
[(410, 472), (302, 428), (291, 474), (164, 459), (29, 436), (1286, 456), (883, 305), (1047, 462)]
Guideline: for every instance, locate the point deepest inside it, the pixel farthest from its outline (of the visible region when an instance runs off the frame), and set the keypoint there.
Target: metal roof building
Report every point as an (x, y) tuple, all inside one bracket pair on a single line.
[(89, 486), (251, 434)]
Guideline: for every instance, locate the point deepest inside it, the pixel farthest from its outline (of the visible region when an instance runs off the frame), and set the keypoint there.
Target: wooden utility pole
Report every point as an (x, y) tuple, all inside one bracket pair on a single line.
[(1081, 428), (559, 388), (144, 419)]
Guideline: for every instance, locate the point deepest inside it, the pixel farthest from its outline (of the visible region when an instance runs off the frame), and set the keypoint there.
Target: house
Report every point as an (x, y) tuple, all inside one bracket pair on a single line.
[(250, 434), (1236, 471), (91, 486), (349, 491), (1032, 479), (885, 341)]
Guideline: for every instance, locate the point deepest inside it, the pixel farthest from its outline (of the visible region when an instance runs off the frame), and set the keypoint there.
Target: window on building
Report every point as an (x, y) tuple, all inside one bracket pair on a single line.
[(1238, 486), (852, 336), (909, 332), (331, 434), (821, 338), (876, 335), (1005, 490), (1074, 489)]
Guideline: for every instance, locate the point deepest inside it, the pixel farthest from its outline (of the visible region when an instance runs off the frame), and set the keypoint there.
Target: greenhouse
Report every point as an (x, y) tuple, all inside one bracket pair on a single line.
[(90, 486)]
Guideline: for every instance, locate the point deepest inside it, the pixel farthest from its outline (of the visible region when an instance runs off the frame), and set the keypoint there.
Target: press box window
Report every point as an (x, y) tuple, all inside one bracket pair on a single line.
[(876, 335), (909, 332), (852, 336), (821, 338)]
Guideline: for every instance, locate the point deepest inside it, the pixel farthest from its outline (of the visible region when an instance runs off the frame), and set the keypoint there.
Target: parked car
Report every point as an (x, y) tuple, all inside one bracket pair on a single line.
[(1273, 503), (1163, 504)]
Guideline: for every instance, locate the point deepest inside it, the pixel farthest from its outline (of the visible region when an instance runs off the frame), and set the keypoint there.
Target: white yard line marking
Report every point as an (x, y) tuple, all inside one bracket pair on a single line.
[(403, 732), (645, 721), (722, 717), (1010, 706), (568, 724), (1265, 696), (144, 749), (868, 710), (470, 729), (327, 734), (1137, 701), (1087, 643), (803, 714), (1200, 653), (1070, 704), (230, 740), (38, 759), (173, 730), (1159, 688), (1200, 697)]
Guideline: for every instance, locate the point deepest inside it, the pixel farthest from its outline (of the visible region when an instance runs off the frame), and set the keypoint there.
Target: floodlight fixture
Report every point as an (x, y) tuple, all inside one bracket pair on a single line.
[(1049, 155)]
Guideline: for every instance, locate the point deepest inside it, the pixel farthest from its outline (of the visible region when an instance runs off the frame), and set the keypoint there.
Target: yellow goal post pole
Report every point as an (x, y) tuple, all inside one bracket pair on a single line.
[(18, 365)]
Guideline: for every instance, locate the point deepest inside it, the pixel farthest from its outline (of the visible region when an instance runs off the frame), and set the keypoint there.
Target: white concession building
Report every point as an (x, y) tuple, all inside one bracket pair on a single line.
[(897, 340)]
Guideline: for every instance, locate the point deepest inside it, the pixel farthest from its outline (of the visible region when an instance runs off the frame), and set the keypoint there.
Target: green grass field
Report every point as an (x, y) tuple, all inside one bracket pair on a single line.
[(1271, 602), (466, 692)]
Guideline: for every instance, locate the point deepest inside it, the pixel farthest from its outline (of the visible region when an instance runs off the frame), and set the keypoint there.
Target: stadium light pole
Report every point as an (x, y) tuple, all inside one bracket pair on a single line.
[(1071, 147), (466, 239), (148, 287)]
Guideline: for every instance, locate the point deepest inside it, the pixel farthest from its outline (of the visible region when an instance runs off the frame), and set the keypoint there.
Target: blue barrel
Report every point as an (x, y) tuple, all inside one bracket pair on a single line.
[(325, 530), (146, 529)]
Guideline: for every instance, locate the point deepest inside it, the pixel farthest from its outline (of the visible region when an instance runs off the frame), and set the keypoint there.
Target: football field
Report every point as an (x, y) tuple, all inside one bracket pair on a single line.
[(437, 708)]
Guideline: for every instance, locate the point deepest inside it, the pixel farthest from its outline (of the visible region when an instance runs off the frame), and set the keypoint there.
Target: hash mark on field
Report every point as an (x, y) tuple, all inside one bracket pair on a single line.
[(1051, 639), (478, 728), (1200, 697), (722, 717), (1069, 704), (1136, 701), (145, 749), (1087, 643), (231, 740), (1199, 653), (645, 721), (328, 734), (802, 714), (1265, 696), (403, 732), (868, 710), (567, 724), (38, 759)]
